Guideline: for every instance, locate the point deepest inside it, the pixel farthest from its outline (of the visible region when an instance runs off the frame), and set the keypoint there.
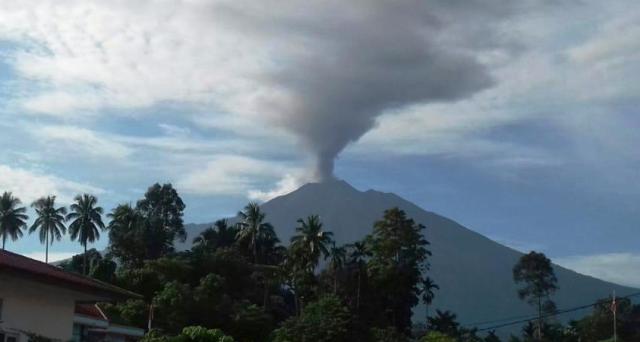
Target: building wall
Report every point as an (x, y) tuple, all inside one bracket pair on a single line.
[(37, 308)]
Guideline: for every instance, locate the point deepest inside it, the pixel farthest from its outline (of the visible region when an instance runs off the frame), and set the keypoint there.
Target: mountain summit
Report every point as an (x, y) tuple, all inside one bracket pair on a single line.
[(474, 273)]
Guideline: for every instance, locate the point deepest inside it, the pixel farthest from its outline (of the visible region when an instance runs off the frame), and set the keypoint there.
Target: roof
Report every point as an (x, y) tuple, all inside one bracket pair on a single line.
[(90, 310), (93, 318), (53, 275)]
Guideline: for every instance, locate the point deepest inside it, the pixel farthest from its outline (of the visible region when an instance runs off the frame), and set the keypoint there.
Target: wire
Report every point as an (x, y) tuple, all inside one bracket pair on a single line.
[(528, 318)]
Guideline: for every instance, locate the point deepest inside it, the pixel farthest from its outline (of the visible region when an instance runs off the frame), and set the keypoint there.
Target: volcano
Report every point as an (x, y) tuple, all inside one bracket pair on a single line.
[(474, 273)]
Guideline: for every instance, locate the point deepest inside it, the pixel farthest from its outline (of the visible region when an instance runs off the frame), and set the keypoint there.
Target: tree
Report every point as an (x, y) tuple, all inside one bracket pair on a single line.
[(126, 234), (12, 218), (435, 336), (311, 241), (428, 285), (492, 337), (49, 222), (86, 222), (190, 334), (337, 257), (221, 235), (172, 306), (253, 229), (444, 322), (396, 267), (536, 273), (162, 210), (77, 262), (324, 320), (357, 255), (148, 231)]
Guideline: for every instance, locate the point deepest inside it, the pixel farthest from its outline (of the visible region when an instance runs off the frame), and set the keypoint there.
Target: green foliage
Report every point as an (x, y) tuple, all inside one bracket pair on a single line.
[(325, 320), (398, 261), (240, 280), (436, 336), (250, 322), (221, 235), (49, 222), (492, 337), (388, 334), (535, 272), (86, 223), (172, 306), (444, 322), (310, 242), (191, 334), (104, 270), (13, 218), (254, 233), (147, 231), (134, 312)]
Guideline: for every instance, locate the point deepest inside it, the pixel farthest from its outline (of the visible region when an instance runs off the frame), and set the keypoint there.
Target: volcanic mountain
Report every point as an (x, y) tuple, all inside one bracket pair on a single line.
[(474, 273)]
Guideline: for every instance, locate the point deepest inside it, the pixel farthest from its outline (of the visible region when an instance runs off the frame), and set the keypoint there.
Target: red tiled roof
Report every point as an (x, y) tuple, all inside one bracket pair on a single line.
[(23, 265), (90, 310)]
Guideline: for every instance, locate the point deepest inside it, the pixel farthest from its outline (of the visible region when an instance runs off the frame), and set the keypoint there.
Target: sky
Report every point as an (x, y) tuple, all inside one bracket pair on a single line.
[(517, 119)]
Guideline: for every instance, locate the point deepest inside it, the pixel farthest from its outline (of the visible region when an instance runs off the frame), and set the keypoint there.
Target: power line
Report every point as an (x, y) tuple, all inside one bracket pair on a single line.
[(528, 318)]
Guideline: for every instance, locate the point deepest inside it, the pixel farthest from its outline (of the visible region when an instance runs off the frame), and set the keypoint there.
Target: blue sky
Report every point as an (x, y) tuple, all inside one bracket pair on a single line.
[(535, 144)]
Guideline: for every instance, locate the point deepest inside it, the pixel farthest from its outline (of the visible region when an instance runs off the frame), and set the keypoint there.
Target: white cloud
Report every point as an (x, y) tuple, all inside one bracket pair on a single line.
[(229, 175), (29, 185), (619, 268), (81, 142), (284, 186), (53, 256)]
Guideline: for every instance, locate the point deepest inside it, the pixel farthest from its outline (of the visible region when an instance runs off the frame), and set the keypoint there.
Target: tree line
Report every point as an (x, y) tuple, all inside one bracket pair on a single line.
[(84, 217), (239, 282)]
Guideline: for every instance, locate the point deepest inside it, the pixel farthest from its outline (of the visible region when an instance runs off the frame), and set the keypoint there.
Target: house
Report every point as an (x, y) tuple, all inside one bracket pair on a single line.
[(38, 299), (90, 324)]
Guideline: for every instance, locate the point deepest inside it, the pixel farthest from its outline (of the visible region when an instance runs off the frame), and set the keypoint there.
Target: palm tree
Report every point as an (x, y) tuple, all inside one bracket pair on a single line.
[(311, 240), (226, 233), (444, 322), (207, 238), (12, 218), (428, 285), (219, 236), (252, 229), (86, 218), (49, 222), (357, 256), (338, 256)]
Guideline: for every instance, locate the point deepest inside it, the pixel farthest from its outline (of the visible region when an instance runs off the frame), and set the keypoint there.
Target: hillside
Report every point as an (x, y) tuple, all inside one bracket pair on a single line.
[(473, 272)]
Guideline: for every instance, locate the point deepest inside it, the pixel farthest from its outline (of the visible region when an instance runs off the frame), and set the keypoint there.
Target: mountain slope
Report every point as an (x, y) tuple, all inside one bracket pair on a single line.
[(474, 273)]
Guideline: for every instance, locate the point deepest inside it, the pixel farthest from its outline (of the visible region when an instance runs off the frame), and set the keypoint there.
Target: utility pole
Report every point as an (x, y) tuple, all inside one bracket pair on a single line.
[(614, 308)]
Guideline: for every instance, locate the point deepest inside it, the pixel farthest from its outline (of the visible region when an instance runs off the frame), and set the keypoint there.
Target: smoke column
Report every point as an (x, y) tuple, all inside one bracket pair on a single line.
[(337, 65)]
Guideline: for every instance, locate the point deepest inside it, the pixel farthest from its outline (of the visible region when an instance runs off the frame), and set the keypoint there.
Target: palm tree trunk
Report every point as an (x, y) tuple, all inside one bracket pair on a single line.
[(85, 258), (4, 240), (255, 250), (539, 332), (46, 246), (358, 293)]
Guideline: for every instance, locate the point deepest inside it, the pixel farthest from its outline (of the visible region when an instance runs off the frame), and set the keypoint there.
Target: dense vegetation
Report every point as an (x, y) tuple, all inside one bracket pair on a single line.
[(240, 282)]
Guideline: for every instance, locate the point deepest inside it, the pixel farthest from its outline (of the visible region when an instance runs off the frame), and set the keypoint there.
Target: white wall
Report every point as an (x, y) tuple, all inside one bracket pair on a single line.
[(38, 308)]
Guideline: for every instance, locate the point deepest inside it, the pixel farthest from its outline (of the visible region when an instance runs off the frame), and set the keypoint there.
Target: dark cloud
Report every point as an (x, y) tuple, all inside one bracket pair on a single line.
[(342, 64)]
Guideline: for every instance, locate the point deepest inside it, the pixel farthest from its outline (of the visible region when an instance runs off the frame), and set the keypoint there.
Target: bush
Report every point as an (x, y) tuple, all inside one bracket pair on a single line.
[(324, 320), (190, 334)]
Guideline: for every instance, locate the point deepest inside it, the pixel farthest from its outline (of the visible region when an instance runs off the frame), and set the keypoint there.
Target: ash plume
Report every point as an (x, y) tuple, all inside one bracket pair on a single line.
[(339, 65)]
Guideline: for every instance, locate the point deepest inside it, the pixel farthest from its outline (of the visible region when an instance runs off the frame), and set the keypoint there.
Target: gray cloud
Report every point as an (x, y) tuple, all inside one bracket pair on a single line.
[(342, 66), (323, 71)]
